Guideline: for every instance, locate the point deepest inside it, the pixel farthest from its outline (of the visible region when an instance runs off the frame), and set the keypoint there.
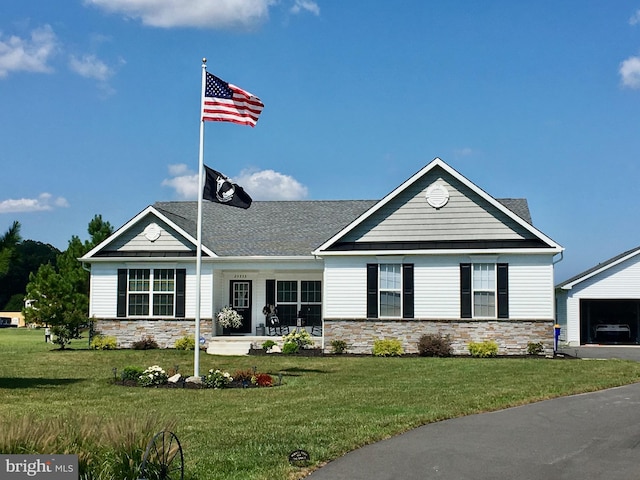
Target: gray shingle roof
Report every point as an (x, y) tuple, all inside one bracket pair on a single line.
[(519, 206), (278, 228), (268, 228)]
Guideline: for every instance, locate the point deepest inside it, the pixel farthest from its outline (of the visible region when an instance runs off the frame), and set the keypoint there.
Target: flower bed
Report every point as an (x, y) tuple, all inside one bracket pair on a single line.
[(156, 377)]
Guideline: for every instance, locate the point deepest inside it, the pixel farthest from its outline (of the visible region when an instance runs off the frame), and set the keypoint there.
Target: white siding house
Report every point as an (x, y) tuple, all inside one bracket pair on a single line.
[(602, 304), (436, 255)]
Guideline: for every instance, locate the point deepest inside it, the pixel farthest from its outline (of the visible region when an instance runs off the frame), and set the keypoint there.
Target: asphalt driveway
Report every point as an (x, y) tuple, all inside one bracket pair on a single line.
[(588, 436)]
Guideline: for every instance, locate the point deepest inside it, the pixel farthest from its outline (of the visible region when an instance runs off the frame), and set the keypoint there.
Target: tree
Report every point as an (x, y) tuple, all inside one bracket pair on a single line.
[(8, 243), (54, 301), (27, 258), (60, 296)]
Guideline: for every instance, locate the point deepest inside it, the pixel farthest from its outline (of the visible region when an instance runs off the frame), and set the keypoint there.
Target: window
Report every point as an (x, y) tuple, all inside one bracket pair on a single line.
[(293, 297), (483, 290), (163, 292), (156, 292), (390, 290), (139, 282), (311, 302)]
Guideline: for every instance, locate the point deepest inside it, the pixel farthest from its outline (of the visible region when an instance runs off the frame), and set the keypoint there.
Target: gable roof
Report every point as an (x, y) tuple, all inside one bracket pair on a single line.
[(268, 228), (275, 228), (596, 270), (515, 211)]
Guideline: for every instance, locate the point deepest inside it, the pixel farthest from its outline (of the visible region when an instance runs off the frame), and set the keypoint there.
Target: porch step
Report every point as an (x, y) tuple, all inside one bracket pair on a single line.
[(230, 345)]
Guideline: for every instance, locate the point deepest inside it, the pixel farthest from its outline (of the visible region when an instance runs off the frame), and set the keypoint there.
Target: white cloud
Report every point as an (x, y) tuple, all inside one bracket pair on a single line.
[(259, 184), (463, 152), (195, 13), (29, 55), (270, 185), (630, 72), (90, 66), (45, 201), (183, 181), (306, 5), (635, 18)]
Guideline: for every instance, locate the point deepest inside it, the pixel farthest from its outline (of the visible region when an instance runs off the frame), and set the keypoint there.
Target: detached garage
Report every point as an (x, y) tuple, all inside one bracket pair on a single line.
[(602, 304)]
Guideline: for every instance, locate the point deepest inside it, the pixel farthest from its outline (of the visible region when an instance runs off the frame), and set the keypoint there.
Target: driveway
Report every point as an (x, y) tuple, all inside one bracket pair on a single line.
[(622, 352), (587, 437)]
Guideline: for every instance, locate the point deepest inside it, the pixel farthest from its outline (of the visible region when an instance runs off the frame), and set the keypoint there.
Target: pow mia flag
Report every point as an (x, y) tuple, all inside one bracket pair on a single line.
[(218, 188)]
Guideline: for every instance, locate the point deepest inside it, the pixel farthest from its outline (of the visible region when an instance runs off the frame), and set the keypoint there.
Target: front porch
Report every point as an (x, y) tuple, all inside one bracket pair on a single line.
[(240, 344)]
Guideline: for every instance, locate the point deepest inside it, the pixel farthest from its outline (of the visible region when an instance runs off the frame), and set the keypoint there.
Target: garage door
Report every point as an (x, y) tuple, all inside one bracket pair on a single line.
[(610, 322)]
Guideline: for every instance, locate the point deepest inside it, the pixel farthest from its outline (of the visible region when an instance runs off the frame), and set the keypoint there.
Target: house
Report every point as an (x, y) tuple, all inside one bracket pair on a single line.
[(602, 304), (436, 255)]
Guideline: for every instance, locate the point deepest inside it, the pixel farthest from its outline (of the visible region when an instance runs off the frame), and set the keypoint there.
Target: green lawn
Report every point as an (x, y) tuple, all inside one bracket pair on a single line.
[(326, 405)]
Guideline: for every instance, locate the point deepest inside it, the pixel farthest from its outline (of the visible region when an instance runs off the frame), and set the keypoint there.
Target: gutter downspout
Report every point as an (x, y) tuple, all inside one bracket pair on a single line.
[(556, 325)]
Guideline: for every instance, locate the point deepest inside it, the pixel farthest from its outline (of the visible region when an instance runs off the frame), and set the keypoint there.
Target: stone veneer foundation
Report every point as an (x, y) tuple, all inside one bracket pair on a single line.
[(164, 332), (512, 336)]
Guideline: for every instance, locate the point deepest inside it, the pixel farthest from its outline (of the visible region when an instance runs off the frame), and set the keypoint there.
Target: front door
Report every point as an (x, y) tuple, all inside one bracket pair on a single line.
[(240, 301)]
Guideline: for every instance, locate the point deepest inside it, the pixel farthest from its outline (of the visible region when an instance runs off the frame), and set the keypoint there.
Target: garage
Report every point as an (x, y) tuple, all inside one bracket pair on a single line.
[(602, 305), (609, 322)]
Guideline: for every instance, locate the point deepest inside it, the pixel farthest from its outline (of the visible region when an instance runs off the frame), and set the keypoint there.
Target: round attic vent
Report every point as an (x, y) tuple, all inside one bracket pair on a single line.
[(152, 232), (437, 195)]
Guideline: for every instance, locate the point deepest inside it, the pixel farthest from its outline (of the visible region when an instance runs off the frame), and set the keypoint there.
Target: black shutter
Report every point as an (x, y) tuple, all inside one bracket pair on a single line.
[(270, 293), (503, 290), (407, 290), (465, 290), (181, 275), (372, 290), (122, 293)]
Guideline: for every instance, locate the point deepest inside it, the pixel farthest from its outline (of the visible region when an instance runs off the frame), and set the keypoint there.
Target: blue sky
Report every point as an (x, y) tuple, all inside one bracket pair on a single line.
[(99, 107)]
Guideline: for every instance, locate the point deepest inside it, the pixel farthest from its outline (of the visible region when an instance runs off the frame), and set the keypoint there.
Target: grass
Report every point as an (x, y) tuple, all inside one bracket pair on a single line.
[(326, 405)]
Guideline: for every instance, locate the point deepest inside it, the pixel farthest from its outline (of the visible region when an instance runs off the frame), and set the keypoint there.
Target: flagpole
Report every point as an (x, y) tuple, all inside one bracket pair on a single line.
[(196, 352)]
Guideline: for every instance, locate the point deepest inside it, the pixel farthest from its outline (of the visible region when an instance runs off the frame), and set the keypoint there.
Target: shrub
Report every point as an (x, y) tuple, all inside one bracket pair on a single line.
[(152, 377), (217, 379), (131, 373), (300, 338), (434, 345), (268, 344), (387, 348), (100, 342), (290, 347), (338, 346), (147, 343), (243, 375), (262, 380), (488, 348), (535, 348), (185, 343)]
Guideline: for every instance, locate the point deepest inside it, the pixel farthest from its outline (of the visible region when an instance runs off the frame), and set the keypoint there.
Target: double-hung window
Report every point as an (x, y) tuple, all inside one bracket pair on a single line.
[(287, 301), (163, 292), (390, 290), (146, 292), (484, 290)]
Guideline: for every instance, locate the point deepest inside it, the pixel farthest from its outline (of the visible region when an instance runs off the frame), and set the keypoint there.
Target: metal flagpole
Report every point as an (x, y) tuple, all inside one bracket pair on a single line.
[(196, 352)]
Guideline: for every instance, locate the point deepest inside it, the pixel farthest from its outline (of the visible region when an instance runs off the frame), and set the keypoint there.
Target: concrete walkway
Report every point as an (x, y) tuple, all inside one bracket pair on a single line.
[(587, 437)]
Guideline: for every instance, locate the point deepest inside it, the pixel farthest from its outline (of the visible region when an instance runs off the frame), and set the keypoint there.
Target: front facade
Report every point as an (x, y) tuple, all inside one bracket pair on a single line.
[(436, 255), (602, 304)]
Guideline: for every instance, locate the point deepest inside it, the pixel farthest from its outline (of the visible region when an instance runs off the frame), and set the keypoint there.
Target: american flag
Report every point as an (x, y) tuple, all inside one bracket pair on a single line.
[(224, 102)]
